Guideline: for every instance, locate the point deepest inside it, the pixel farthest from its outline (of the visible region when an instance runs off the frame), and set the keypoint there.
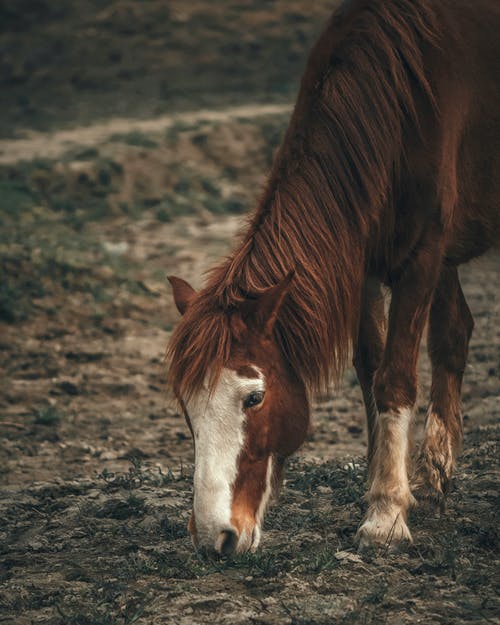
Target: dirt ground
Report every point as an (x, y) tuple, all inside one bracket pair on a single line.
[(96, 462)]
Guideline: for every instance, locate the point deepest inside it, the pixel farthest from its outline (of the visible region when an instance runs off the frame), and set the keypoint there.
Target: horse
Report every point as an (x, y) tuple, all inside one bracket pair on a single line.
[(387, 176)]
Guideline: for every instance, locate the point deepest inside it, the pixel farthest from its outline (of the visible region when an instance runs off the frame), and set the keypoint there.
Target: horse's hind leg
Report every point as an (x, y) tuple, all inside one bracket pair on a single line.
[(450, 328), (369, 349)]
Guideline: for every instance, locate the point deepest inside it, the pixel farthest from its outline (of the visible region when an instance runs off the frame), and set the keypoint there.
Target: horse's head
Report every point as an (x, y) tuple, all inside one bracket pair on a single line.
[(244, 424)]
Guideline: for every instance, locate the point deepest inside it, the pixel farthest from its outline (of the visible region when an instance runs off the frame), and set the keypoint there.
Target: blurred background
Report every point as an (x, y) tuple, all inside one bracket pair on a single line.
[(134, 138), (65, 63)]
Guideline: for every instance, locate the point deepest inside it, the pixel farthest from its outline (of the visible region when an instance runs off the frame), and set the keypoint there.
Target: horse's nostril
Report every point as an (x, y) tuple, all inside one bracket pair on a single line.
[(226, 542)]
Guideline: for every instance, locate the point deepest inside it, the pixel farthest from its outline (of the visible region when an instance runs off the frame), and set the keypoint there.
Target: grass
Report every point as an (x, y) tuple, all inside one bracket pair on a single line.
[(48, 207), (273, 129), (179, 128), (139, 475), (124, 65), (122, 509), (48, 415), (47, 250), (135, 138), (347, 480)]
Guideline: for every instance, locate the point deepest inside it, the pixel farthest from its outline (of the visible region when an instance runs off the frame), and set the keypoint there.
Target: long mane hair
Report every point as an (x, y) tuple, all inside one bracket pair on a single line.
[(332, 186)]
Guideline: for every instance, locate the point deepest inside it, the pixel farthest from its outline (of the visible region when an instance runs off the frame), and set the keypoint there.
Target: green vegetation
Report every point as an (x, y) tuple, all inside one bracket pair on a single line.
[(48, 415), (144, 59), (135, 138), (49, 209)]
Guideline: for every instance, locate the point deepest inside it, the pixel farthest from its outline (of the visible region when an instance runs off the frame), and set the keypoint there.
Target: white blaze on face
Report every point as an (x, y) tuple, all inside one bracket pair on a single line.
[(218, 424), (263, 504)]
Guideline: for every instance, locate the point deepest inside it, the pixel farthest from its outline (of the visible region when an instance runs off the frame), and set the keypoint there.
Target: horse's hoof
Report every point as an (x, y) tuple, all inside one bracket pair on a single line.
[(429, 499), (430, 484), (383, 532)]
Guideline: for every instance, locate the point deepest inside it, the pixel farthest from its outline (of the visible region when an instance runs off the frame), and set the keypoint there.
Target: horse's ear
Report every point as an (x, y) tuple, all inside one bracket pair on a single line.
[(183, 293), (269, 303)]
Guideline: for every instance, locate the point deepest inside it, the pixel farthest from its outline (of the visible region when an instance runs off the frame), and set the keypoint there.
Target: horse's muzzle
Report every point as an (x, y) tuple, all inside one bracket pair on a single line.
[(228, 540)]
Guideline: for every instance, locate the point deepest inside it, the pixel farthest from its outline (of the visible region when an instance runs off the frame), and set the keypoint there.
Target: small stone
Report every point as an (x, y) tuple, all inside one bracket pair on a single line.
[(109, 455), (104, 273), (348, 557), (68, 387), (355, 430), (115, 249)]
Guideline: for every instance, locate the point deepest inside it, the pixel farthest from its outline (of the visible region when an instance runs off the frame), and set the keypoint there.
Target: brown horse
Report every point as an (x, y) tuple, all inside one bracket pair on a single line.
[(388, 173)]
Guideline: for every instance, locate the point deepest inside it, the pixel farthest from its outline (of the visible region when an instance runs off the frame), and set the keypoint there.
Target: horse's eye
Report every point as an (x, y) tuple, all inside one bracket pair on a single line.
[(254, 399)]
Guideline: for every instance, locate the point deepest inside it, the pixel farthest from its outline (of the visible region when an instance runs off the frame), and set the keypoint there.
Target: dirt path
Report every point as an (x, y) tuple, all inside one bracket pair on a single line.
[(53, 144)]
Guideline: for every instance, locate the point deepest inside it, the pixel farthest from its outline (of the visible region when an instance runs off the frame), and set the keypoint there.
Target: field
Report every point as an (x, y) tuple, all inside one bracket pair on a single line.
[(113, 174)]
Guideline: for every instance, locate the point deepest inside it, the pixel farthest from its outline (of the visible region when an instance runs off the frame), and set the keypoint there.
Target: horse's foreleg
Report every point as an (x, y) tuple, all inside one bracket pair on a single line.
[(395, 389), (450, 328), (369, 349)]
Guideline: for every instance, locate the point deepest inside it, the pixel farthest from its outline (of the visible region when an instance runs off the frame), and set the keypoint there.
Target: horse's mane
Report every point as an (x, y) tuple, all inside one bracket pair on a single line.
[(336, 168)]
